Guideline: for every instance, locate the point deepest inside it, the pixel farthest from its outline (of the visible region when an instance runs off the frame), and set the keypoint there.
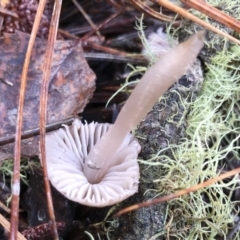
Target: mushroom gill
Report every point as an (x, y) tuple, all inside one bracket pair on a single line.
[(66, 150)]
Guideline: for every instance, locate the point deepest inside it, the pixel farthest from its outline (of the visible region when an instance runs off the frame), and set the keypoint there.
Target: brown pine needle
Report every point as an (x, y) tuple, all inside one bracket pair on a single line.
[(193, 18), (149, 11), (17, 147), (43, 108), (214, 13), (178, 193), (89, 20), (113, 16)]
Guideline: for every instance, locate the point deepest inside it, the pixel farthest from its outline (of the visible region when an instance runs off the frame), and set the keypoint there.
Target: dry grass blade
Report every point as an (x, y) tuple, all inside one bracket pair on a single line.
[(214, 13), (178, 193), (89, 20), (115, 4), (102, 24), (17, 149), (146, 9), (43, 107), (6, 12), (193, 18), (5, 208), (99, 47), (4, 222)]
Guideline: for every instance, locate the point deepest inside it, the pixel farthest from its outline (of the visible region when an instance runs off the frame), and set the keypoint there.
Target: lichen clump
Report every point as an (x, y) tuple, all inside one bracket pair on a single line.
[(211, 146), (212, 142)]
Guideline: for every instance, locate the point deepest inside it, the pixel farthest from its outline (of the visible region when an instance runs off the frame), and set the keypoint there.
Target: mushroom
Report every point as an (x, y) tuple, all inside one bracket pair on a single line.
[(96, 164), (66, 150)]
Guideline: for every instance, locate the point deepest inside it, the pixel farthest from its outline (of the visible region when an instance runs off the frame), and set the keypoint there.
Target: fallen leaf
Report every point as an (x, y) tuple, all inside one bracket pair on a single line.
[(71, 86)]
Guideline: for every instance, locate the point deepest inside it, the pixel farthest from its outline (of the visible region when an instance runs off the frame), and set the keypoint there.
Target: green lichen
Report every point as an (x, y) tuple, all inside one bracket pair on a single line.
[(6, 169), (149, 53), (212, 122), (214, 41), (212, 140)]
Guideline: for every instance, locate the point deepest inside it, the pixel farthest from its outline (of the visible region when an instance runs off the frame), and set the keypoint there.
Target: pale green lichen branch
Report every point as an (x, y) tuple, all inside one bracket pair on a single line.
[(212, 120)]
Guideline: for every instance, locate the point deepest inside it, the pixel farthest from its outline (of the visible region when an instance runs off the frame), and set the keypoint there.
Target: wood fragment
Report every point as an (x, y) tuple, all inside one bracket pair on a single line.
[(4, 80), (34, 132), (72, 83)]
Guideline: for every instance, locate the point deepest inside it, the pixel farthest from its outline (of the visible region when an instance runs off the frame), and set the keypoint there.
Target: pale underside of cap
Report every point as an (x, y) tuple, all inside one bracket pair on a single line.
[(66, 150)]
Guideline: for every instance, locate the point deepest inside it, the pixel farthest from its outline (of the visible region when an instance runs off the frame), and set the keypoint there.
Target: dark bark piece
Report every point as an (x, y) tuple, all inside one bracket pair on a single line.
[(34, 202), (71, 86), (44, 231)]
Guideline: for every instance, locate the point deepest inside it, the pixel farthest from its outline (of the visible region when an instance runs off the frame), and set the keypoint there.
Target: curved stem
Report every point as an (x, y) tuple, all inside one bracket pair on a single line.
[(154, 83)]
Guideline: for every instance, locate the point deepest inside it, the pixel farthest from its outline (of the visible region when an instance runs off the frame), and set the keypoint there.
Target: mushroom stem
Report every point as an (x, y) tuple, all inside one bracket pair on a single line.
[(154, 83)]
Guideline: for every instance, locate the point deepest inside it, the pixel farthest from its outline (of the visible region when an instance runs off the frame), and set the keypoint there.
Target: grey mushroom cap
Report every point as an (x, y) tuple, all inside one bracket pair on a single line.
[(66, 150)]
